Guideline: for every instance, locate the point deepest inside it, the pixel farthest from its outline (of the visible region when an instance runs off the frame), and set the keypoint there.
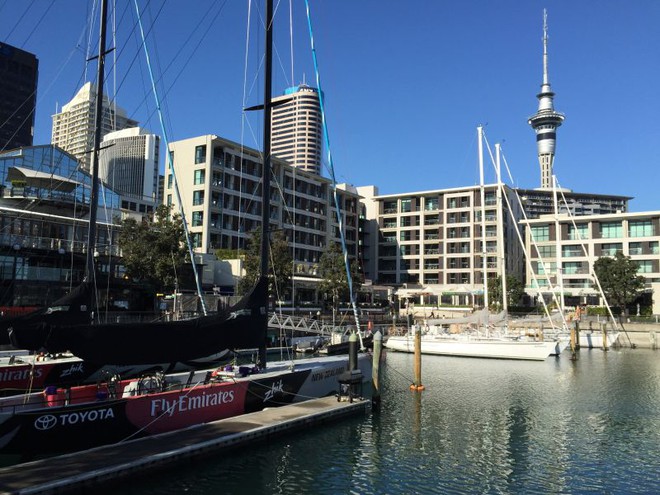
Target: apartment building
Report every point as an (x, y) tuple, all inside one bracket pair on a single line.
[(128, 164), (435, 242), (219, 182), (574, 243), (296, 128), (74, 126)]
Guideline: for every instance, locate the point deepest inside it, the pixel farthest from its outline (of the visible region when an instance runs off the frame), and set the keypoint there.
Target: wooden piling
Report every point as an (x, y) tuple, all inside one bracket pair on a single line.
[(603, 329), (417, 385), (375, 369)]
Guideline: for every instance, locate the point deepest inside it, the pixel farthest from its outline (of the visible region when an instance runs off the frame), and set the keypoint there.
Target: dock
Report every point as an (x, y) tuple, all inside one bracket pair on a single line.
[(111, 463)]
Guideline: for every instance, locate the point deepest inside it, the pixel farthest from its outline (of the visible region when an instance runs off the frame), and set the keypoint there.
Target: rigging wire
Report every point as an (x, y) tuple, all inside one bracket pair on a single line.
[(332, 175), (171, 165), (36, 25), (20, 19)]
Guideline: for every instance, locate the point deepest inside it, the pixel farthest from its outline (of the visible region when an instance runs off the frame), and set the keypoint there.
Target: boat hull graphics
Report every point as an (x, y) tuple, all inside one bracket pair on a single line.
[(26, 373), (72, 420)]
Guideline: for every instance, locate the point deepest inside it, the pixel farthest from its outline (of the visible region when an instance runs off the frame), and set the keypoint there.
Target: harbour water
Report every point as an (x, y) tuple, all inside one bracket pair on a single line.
[(481, 426)]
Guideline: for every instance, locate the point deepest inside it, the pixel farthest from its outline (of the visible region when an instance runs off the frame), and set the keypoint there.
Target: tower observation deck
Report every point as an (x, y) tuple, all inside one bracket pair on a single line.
[(546, 120)]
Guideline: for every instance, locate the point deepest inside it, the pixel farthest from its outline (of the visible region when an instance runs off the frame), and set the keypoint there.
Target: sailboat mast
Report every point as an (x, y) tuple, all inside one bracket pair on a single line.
[(265, 197), (93, 198), (500, 228), (480, 133)]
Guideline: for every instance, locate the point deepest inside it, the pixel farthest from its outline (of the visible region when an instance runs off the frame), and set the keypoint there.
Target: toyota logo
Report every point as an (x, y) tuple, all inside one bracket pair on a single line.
[(45, 422)]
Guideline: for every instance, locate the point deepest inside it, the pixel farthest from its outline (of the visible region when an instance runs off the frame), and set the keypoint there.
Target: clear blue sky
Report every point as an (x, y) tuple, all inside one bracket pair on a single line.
[(406, 82)]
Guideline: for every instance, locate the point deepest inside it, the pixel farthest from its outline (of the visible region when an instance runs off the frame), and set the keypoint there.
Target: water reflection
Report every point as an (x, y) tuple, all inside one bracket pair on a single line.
[(481, 426)]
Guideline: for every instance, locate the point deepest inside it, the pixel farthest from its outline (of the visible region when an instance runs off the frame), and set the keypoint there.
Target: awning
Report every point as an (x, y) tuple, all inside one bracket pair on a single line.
[(41, 180)]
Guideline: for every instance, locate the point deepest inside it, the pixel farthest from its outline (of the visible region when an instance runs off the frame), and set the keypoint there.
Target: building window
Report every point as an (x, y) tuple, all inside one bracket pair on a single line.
[(198, 198), (611, 249), (540, 233), (546, 268), (406, 205), (572, 251), (642, 228), (546, 251), (645, 266), (169, 200), (578, 232), (197, 218), (200, 154), (653, 246), (170, 178), (634, 248), (610, 230), (199, 177), (431, 204)]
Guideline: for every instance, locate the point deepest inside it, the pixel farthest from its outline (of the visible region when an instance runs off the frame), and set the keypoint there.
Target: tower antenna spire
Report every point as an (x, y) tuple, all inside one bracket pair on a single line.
[(546, 120)]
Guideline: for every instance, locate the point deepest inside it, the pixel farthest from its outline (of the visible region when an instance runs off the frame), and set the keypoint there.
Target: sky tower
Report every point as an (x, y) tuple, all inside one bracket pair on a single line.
[(546, 120)]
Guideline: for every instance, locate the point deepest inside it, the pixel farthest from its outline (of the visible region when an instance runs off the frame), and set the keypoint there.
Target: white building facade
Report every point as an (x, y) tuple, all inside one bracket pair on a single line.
[(73, 127), (574, 243), (128, 163), (220, 186)]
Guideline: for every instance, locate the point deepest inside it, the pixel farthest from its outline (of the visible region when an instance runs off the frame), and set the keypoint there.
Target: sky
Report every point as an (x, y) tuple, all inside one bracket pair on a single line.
[(406, 83)]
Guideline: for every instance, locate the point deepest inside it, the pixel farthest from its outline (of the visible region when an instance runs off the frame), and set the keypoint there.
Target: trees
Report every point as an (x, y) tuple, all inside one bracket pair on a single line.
[(334, 282), (280, 266), (514, 290), (619, 280), (154, 251)]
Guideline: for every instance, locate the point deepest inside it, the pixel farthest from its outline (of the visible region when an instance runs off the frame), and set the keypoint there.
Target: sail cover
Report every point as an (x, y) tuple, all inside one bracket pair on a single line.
[(31, 330), (240, 326)]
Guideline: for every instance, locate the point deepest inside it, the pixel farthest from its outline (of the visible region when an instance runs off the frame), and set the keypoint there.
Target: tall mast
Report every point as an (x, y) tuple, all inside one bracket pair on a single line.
[(265, 197), (93, 198), (501, 253), (480, 133)]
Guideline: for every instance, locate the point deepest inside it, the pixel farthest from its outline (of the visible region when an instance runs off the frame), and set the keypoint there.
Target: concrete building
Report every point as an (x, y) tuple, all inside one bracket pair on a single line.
[(19, 72), (73, 127), (434, 242), (574, 243), (128, 163), (296, 128), (219, 182), (539, 202)]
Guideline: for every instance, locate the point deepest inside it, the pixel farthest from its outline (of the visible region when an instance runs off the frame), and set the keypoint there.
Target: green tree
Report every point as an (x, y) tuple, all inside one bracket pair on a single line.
[(334, 283), (280, 266), (154, 251), (619, 280), (514, 290)]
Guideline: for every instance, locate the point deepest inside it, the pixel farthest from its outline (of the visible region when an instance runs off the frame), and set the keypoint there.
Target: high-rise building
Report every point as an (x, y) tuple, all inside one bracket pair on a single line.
[(73, 127), (546, 120), (18, 95), (128, 163), (296, 128)]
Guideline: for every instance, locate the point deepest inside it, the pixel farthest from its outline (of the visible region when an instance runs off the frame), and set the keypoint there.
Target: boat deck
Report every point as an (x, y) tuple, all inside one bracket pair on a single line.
[(111, 463)]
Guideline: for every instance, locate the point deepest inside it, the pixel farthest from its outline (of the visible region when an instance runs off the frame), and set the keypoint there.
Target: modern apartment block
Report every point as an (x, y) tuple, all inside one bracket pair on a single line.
[(73, 127), (220, 186), (437, 240), (19, 72), (574, 243), (539, 202), (128, 163), (296, 128)]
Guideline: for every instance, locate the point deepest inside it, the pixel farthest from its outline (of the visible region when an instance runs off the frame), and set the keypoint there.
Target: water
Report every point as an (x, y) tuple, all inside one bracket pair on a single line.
[(481, 426)]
